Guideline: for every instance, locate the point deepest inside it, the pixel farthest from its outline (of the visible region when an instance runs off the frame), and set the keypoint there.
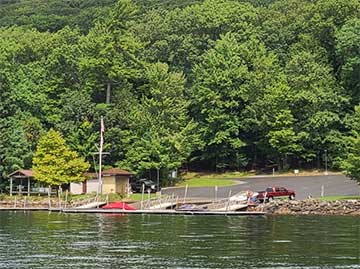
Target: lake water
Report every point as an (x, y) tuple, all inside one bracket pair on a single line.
[(56, 240)]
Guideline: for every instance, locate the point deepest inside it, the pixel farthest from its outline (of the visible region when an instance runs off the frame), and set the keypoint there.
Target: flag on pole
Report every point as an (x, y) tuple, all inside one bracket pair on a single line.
[(102, 126)]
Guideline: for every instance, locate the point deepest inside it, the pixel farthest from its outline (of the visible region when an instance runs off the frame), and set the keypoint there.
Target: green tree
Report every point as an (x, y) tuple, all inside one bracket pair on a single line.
[(55, 164), (226, 82), (109, 52), (347, 49), (180, 36), (160, 133), (351, 164), (283, 138), (15, 150)]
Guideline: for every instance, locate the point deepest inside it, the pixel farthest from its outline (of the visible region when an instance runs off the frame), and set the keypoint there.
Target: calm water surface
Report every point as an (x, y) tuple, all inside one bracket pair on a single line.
[(43, 240)]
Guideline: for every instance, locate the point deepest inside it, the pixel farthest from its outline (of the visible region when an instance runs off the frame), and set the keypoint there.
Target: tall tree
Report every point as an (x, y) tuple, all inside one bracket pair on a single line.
[(348, 52), (226, 81), (108, 51), (55, 164), (160, 134)]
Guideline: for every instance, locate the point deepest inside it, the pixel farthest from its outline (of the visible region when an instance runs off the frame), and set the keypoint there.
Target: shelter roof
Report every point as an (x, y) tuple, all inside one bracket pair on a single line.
[(22, 173), (116, 172)]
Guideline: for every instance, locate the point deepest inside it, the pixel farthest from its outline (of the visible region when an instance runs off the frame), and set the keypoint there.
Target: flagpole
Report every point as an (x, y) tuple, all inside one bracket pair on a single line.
[(102, 129)]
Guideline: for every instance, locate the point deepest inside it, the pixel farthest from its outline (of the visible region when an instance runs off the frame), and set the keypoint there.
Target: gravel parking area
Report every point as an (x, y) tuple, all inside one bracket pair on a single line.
[(304, 186)]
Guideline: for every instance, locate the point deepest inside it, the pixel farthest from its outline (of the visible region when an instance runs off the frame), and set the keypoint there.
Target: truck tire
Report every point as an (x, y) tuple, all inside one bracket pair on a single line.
[(292, 197), (270, 198)]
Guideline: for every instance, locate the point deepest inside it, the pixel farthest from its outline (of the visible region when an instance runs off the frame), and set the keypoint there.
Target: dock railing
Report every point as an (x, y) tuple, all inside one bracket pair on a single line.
[(159, 203)]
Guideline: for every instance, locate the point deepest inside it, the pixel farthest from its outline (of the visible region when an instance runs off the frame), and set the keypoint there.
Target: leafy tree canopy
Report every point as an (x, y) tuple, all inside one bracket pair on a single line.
[(55, 164)]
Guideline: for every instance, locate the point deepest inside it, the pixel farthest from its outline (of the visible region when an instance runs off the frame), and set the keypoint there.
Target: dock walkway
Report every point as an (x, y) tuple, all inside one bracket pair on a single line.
[(137, 212)]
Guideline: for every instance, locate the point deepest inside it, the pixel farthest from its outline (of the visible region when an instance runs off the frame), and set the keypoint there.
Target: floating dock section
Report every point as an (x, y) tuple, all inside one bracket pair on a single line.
[(138, 212), (165, 212)]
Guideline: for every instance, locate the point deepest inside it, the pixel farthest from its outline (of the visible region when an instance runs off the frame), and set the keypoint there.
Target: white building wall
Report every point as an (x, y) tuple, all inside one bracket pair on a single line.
[(76, 188), (91, 185)]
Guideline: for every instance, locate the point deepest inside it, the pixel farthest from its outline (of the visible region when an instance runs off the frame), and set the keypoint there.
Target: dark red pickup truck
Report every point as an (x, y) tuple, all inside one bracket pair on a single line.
[(275, 192)]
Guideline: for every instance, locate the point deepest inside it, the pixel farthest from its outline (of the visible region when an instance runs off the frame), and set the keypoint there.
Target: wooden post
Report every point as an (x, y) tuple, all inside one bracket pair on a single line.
[(49, 200), (11, 186), (185, 194), (59, 196), (28, 187), (149, 198), (66, 198), (216, 191), (228, 204), (142, 197)]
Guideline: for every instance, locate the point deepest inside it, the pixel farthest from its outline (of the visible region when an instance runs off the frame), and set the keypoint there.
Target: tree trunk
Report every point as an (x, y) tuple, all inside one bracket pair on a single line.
[(108, 92), (254, 158)]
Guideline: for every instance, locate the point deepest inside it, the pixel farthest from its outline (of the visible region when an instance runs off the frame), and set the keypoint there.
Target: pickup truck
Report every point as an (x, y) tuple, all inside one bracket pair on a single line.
[(275, 192), (138, 184)]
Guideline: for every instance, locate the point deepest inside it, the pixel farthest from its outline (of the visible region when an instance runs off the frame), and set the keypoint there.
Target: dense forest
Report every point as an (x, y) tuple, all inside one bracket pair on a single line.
[(202, 85)]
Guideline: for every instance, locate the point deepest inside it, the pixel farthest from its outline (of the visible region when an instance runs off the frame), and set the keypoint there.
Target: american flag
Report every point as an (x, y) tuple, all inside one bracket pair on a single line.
[(102, 126)]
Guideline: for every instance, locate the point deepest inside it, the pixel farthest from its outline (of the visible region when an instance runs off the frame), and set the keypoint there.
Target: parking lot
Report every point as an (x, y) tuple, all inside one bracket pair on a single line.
[(304, 186)]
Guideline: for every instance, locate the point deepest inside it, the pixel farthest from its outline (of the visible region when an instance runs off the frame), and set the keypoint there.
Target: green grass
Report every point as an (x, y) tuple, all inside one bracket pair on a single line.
[(227, 175), (137, 196), (211, 179), (335, 198), (206, 182)]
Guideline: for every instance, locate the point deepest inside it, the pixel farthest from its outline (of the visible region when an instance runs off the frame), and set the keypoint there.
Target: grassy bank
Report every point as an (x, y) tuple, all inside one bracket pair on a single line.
[(211, 179), (338, 198)]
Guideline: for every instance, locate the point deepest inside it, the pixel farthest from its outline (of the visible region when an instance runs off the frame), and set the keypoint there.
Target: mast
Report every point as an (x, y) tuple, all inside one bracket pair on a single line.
[(102, 130)]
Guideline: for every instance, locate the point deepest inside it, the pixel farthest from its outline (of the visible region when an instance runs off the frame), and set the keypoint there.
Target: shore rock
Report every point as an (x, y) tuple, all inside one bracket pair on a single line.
[(313, 207)]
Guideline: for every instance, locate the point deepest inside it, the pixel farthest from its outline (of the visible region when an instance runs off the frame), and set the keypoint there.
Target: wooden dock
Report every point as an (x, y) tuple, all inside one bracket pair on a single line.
[(165, 212), (137, 212)]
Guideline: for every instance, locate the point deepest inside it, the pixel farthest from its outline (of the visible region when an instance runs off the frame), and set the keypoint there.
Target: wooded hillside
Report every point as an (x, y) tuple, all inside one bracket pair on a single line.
[(207, 85)]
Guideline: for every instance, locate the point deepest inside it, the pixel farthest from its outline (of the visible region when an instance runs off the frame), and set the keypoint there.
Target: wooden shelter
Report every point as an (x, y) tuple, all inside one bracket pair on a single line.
[(21, 181)]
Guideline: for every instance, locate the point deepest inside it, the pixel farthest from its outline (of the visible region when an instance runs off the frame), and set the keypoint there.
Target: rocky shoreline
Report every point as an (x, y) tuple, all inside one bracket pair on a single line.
[(313, 207), (276, 207)]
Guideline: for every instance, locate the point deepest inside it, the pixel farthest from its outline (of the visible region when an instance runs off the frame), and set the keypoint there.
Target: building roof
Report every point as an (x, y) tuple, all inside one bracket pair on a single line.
[(22, 173), (116, 172)]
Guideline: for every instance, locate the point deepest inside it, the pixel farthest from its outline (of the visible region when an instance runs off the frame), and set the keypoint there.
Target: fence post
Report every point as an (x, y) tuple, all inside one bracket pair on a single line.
[(142, 197), (49, 201), (66, 198), (216, 192), (59, 196), (149, 198), (185, 194), (228, 204)]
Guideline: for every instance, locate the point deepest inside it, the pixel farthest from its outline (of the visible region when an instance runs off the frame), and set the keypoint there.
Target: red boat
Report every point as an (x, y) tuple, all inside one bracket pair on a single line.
[(118, 205)]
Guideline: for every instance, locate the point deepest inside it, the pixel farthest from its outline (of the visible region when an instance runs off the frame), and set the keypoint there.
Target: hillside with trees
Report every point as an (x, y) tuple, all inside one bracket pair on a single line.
[(208, 85)]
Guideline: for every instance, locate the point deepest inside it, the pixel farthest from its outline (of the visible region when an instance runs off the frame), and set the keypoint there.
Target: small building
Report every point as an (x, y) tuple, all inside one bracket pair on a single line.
[(22, 182), (114, 180)]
